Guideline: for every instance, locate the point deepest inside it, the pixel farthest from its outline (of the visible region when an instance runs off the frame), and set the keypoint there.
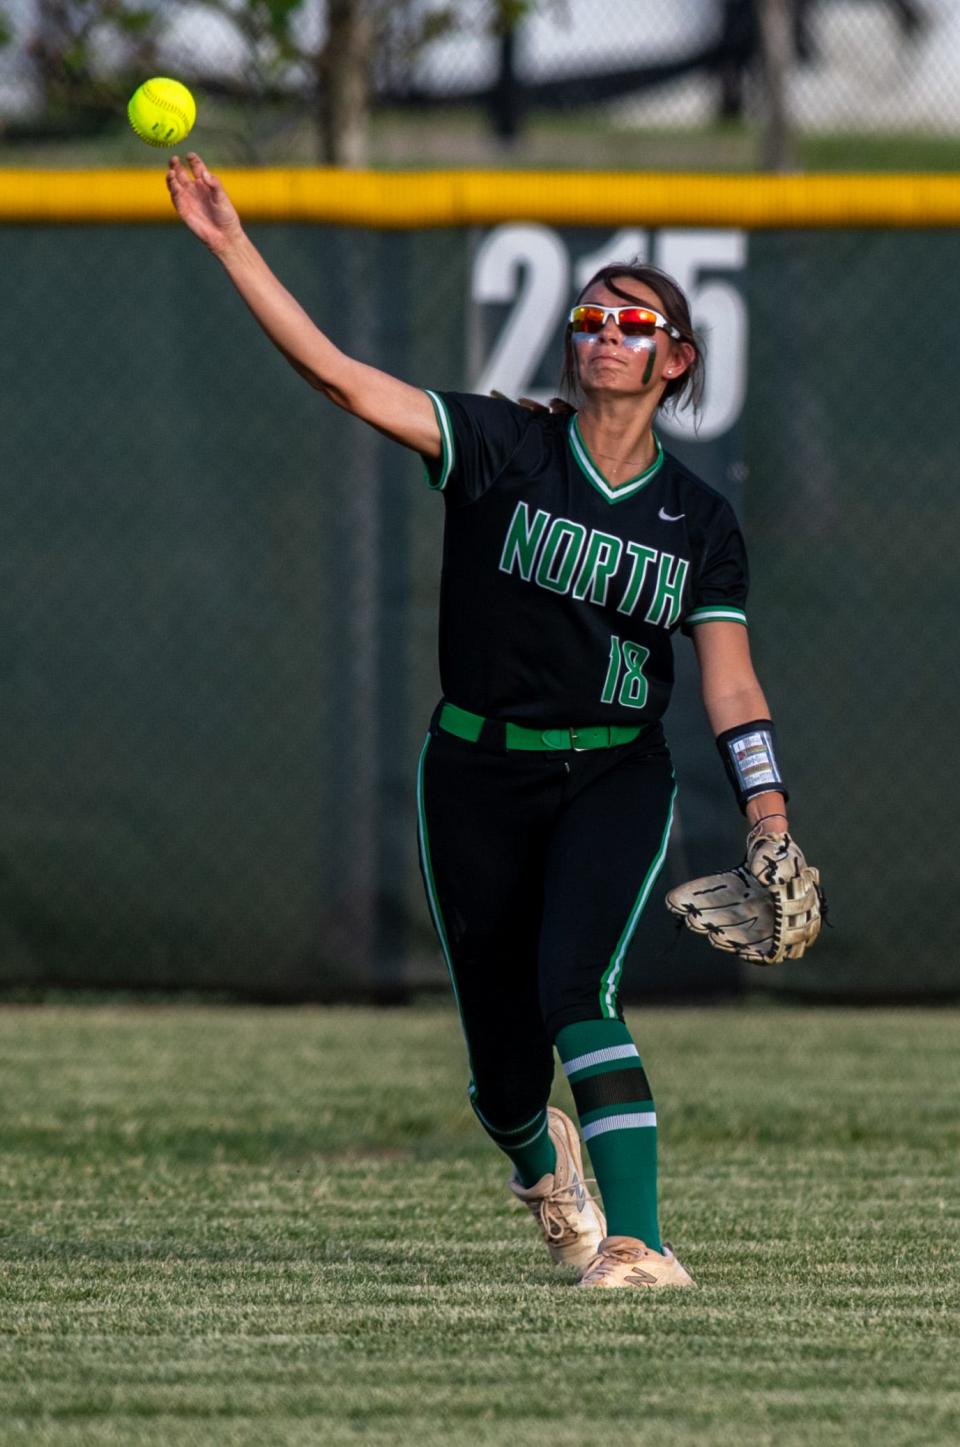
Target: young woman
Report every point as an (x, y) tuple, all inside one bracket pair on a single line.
[(574, 548)]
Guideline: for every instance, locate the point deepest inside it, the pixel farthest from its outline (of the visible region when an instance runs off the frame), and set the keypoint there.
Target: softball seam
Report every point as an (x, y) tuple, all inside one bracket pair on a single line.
[(167, 105)]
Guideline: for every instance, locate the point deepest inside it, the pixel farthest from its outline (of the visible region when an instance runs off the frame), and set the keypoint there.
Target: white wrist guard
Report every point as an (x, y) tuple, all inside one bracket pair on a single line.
[(749, 757)]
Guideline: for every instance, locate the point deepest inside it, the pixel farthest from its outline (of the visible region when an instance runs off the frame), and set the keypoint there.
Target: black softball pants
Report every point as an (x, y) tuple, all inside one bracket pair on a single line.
[(537, 867)]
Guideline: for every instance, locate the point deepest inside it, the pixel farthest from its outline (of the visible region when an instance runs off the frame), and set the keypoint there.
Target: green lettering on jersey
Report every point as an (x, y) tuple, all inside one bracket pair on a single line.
[(522, 541), (669, 590), (601, 560), (564, 541), (642, 558)]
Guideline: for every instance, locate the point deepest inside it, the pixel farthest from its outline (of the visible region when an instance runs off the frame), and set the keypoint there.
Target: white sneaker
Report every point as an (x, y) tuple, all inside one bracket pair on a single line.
[(571, 1222), (626, 1261)]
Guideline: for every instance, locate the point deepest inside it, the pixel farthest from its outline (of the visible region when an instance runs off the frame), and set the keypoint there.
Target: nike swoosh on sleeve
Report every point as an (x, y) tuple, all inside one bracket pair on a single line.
[(668, 518)]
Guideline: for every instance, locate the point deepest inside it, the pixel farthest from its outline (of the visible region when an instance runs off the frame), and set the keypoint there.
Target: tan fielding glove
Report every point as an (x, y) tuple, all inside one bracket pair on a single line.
[(767, 910)]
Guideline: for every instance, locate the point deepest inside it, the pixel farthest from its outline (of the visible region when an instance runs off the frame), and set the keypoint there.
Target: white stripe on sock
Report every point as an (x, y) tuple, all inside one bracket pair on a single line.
[(598, 1057), (619, 1122)]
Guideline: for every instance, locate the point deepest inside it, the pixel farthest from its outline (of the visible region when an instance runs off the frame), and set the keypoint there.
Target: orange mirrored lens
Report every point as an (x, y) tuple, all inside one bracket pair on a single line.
[(636, 321), (588, 319)]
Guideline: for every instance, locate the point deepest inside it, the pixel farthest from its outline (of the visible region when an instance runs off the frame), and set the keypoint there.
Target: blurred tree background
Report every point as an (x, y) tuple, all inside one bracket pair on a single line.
[(711, 84)]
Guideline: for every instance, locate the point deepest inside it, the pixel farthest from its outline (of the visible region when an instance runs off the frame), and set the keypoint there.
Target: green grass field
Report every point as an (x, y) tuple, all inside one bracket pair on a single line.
[(226, 1225)]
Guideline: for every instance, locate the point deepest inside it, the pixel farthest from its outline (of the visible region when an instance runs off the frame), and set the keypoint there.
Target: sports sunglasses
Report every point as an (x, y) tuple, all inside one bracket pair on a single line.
[(633, 321)]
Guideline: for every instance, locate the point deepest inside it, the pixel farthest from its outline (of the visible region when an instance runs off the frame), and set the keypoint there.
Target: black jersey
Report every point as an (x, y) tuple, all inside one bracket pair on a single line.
[(559, 593)]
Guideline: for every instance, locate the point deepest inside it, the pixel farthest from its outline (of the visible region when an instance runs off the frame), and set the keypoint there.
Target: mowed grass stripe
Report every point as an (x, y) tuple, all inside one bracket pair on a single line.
[(245, 1226)]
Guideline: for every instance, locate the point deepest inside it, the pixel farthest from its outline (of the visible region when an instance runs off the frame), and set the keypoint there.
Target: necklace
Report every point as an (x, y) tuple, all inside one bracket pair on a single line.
[(614, 462), (623, 461)]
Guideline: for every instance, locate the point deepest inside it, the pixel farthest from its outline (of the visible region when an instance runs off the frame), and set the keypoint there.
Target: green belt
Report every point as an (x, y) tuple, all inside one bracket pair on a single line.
[(468, 726)]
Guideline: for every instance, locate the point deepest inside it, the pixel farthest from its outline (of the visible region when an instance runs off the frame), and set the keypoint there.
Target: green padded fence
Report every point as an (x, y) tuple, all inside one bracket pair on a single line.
[(218, 604)]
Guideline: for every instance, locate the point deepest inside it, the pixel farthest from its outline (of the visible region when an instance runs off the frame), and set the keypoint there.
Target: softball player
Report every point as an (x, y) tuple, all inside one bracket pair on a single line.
[(574, 549)]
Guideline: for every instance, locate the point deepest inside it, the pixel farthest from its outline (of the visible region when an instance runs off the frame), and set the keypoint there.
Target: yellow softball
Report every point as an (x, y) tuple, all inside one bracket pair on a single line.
[(162, 111)]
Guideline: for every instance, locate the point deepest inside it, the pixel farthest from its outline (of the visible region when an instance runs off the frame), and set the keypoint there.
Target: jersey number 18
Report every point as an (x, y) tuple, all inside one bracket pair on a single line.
[(626, 668)]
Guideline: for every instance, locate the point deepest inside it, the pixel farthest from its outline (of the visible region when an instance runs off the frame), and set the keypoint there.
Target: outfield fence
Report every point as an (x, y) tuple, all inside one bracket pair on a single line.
[(218, 640)]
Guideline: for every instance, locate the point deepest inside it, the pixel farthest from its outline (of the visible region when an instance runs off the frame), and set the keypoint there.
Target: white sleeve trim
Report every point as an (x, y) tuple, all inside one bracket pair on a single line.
[(716, 614), (448, 456)]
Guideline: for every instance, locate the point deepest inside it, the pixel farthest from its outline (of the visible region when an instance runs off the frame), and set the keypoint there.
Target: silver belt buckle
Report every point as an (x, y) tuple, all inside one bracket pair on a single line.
[(577, 748)]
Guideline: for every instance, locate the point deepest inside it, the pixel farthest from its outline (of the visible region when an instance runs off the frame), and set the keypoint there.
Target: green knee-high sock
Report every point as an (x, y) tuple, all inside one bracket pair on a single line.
[(528, 1145), (618, 1121)]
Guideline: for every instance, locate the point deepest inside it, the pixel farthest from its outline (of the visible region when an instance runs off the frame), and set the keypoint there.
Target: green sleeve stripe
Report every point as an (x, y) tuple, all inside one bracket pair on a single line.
[(716, 615), (439, 481)]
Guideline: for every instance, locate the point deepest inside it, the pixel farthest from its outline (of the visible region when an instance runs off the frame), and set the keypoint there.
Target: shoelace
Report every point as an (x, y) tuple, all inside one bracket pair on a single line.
[(548, 1209), (610, 1257), (623, 1253)]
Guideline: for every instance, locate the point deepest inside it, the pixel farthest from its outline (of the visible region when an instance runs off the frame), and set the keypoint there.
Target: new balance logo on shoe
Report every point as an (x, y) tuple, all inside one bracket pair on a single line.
[(626, 1261)]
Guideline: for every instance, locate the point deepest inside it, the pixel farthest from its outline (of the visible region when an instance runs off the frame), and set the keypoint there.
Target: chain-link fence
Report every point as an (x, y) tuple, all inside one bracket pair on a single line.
[(668, 82), (217, 620), (219, 594)]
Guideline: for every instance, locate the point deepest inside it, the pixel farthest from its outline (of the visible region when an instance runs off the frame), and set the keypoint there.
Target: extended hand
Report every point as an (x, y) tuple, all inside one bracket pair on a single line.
[(202, 203)]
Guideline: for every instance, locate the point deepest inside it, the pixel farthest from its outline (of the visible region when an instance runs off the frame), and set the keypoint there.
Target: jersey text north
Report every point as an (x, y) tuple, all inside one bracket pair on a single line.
[(566, 557)]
